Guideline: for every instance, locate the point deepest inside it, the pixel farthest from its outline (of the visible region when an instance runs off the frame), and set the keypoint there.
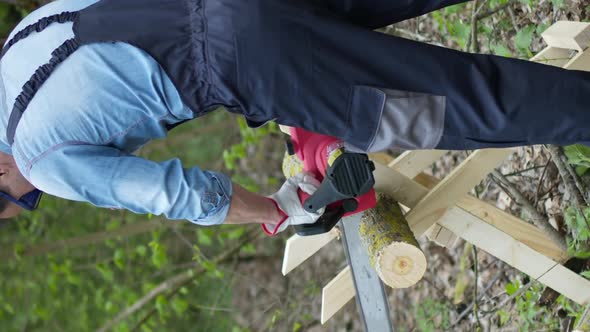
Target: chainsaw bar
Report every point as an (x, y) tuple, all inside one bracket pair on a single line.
[(370, 295)]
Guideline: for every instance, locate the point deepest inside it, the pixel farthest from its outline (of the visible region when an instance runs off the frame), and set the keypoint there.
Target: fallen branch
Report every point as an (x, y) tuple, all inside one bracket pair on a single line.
[(414, 36), (472, 41), (570, 178), (540, 184), (513, 19), (495, 10), (475, 302), (175, 281), (508, 299), (474, 20), (536, 217), (584, 320), (480, 297)]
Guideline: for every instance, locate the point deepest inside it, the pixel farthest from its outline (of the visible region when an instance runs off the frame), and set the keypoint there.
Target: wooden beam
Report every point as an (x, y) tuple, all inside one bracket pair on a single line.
[(412, 163), (517, 254), (400, 187), (442, 236), (336, 294), (568, 283), (381, 157), (579, 62), (300, 248), (453, 187), (568, 34), (553, 56), (516, 228), (499, 225)]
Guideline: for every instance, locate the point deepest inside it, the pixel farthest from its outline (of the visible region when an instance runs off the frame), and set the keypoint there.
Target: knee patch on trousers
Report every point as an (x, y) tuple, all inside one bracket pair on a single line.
[(407, 120)]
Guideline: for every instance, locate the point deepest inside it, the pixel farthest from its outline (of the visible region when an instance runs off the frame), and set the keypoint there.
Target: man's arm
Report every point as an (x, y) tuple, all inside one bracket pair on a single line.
[(247, 208)]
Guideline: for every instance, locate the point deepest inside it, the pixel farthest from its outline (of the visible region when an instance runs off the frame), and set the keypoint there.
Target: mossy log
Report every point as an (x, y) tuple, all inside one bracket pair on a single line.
[(391, 245)]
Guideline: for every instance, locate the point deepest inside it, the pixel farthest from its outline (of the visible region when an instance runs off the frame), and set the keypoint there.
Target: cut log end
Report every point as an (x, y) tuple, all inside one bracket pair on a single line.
[(391, 245), (401, 265)]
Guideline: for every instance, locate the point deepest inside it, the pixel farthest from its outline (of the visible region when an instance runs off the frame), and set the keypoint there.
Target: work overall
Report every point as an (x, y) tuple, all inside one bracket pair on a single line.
[(316, 64)]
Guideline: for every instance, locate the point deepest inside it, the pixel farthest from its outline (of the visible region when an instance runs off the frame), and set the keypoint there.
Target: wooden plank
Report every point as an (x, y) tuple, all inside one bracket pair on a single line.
[(381, 157), (503, 230), (568, 34), (579, 62), (299, 248), (518, 229), (568, 283), (515, 253), (553, 56), (336, 294), (400, 187), (412, 163), (442, 236), (454, 187), (511, 225)]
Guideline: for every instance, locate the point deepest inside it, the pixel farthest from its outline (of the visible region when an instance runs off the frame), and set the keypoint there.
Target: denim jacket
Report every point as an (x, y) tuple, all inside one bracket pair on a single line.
[(79, 132)]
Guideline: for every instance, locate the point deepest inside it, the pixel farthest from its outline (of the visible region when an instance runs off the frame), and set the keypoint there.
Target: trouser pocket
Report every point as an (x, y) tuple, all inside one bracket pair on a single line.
[(407, 120)]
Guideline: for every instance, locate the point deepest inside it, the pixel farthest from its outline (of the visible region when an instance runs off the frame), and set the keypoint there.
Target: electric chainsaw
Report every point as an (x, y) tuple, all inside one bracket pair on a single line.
[(346, 178)]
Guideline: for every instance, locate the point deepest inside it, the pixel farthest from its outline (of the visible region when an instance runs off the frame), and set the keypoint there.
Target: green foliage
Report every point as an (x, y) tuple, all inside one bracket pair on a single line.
[(432, 315), (83, 287), (558, 4), (504, 317), (530, 315), (524, 38), (248, 137), (512, 287), (460, 32), (500, 49), (579, 156), (578, 245), (573, 309), (9, 16), (450, 26)]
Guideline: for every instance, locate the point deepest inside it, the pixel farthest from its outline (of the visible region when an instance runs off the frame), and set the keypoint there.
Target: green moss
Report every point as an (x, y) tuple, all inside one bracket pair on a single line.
[(383, 225)]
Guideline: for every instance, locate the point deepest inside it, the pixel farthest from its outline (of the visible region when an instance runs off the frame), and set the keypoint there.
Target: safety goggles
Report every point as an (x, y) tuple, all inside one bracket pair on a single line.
[(28, 201)]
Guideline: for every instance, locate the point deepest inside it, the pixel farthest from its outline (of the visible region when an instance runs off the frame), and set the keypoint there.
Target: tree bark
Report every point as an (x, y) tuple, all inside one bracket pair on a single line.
[(391, 245)]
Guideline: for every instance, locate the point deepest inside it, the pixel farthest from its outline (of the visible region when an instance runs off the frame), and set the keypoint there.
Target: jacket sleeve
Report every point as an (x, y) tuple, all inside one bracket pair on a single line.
[(107, 177)]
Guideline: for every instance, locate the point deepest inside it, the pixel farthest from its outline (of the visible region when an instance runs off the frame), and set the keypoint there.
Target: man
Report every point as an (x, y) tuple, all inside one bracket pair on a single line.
[(86, 83)]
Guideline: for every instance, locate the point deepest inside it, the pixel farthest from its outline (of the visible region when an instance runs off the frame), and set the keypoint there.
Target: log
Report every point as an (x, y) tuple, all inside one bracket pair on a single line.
[(393, 250)]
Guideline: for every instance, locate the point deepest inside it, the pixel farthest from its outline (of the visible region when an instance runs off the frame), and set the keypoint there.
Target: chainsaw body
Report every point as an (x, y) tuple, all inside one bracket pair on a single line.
[(346, 179)]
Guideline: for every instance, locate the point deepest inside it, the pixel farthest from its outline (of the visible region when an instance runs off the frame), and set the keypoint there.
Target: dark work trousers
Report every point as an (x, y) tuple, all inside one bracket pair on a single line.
[(317, 64)]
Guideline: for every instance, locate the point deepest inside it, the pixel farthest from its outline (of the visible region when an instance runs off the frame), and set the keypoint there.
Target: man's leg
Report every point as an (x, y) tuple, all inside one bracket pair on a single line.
[(377, 91), (375, 14)]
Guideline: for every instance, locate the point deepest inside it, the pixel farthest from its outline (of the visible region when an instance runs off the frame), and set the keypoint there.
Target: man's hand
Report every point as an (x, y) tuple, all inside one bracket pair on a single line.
[(288, 203)]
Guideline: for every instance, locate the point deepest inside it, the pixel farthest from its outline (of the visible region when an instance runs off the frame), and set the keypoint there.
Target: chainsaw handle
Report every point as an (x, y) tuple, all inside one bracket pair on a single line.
[(324, 195), (328, 219)]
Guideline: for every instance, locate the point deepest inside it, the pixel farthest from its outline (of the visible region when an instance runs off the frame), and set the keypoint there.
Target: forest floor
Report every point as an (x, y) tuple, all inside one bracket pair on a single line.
[(443, 299)]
